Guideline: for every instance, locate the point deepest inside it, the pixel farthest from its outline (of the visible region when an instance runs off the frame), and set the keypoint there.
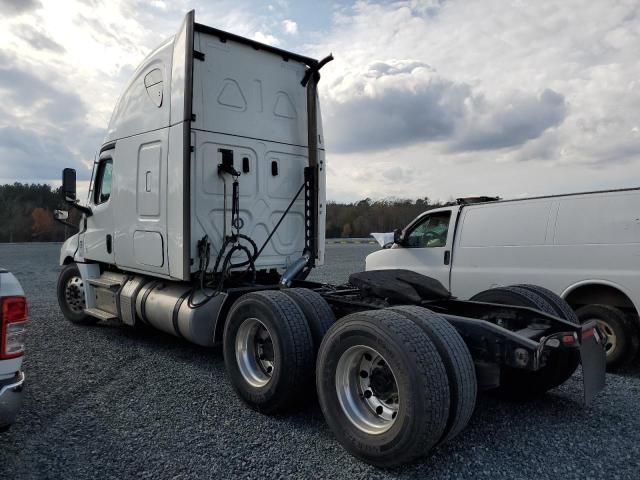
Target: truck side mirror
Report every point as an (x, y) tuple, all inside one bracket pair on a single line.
[(69, 184), (397, 236)]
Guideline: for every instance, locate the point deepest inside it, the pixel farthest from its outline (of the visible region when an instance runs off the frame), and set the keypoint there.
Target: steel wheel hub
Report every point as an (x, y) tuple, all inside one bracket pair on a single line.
[(612, 339), (74, 295), (367, 390), (254, 352)]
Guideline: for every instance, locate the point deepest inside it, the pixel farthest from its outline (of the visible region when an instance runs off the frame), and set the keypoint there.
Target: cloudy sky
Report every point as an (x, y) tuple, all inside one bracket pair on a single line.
[(425, 98)]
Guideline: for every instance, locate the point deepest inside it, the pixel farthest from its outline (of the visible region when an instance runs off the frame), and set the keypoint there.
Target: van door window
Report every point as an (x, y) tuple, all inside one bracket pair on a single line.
[(103, 181), (430, 232)]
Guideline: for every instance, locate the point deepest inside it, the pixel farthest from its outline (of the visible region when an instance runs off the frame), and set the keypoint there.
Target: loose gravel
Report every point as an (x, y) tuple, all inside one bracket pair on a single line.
[(113, 402)]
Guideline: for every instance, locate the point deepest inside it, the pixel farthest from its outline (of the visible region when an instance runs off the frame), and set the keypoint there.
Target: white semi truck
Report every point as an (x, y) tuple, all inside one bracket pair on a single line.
[(207, 211)]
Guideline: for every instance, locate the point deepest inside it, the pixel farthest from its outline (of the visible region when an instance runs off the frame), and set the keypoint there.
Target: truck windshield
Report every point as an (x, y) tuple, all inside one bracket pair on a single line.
[(430, 232)]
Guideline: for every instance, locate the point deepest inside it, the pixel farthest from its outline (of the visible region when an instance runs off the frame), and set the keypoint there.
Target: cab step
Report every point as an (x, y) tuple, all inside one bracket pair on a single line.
[(108, 281), (100, 314)]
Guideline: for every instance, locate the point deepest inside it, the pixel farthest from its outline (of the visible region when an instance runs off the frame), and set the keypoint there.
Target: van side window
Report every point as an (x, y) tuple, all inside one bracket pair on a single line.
[(103, 181), (430, 232)]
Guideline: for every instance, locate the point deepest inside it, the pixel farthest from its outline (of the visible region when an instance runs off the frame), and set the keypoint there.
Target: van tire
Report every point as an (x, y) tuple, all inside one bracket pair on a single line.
[(277, 369), (316, 310), (523, 384), (613, 321), (71, 296), (461, 372), (418, 377)]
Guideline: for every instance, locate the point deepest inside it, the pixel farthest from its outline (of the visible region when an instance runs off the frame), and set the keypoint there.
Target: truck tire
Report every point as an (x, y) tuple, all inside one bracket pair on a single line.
[(559, 304), (461, 372), (523, 384), (316, 310), (382, 387), (622, 341), (70, 291), (268, 351)]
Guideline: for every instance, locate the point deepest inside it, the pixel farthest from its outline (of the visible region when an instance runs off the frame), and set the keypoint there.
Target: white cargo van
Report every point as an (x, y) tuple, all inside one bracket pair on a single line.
[(584, 247)]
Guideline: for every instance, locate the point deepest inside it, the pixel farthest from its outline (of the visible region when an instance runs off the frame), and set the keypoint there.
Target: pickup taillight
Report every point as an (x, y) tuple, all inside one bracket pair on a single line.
[(13, 319)]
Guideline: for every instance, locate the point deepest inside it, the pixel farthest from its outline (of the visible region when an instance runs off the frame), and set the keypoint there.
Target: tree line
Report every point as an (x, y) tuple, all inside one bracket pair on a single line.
[(26, 214), (359, 219)]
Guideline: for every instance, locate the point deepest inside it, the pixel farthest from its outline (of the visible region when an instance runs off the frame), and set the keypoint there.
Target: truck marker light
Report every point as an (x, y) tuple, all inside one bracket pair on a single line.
[(568, 339)]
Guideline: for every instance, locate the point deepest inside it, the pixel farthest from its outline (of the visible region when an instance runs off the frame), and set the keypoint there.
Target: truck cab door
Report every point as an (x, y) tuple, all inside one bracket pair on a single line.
[(97, 240), (426, 246)]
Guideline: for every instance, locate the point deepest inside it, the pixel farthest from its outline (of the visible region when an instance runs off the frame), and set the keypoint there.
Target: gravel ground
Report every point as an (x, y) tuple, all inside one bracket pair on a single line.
[(110, 402)]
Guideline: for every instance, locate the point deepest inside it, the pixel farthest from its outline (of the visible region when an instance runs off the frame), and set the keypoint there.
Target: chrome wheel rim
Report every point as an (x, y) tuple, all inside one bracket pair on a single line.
[(74, 295), (254, 352), (612, 339), (367, 390)]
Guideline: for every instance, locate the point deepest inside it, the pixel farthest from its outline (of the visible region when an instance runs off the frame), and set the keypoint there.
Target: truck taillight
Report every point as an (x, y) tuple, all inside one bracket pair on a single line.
[(13, 318)]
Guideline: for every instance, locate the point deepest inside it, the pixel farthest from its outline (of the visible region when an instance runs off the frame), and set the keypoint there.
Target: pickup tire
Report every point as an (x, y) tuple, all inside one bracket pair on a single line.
[(461, 372), (268, 351), (316, 310), (382, 387), (622, 333), (70, 291), (522, 384)]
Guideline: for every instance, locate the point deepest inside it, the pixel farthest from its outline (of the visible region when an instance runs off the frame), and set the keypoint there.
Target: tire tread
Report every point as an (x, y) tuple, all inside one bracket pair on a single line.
[(457, 360)]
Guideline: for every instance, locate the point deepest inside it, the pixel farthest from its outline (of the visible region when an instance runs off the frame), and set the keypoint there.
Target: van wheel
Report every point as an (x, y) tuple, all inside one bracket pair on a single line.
[(382, 387), (461, 372), (268, 351), (316, 310), (622, 334), (518, 383), (70, 291)]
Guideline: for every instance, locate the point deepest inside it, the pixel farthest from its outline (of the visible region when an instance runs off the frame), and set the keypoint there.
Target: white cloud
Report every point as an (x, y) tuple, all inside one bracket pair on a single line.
[(265, 38), (290, 27), (64, 64), (537, 97)]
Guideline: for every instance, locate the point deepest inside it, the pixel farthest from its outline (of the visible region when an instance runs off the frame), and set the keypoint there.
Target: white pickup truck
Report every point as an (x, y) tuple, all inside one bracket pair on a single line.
[(13, 316), (584, 247)]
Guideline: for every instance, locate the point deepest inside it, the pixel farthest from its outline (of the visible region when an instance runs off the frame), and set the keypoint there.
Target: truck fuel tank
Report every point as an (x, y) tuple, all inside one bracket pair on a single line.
[(167, 306)]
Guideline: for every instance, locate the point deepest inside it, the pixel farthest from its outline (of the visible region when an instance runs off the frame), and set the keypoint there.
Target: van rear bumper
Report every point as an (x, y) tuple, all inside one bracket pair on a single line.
[(10, 398)]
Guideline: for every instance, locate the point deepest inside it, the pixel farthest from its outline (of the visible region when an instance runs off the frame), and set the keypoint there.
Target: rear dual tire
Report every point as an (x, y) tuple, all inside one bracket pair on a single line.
[(523, 384), (270, 342), (392, 384), (268, 351), (457, 360), (382, 387)]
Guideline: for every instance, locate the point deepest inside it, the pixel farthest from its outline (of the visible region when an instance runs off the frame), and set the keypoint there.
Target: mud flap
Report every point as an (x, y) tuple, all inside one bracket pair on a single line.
[(593, 359)]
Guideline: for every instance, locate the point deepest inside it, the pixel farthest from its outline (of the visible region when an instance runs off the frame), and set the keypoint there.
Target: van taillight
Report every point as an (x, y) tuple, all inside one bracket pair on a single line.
[(13, 318)]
